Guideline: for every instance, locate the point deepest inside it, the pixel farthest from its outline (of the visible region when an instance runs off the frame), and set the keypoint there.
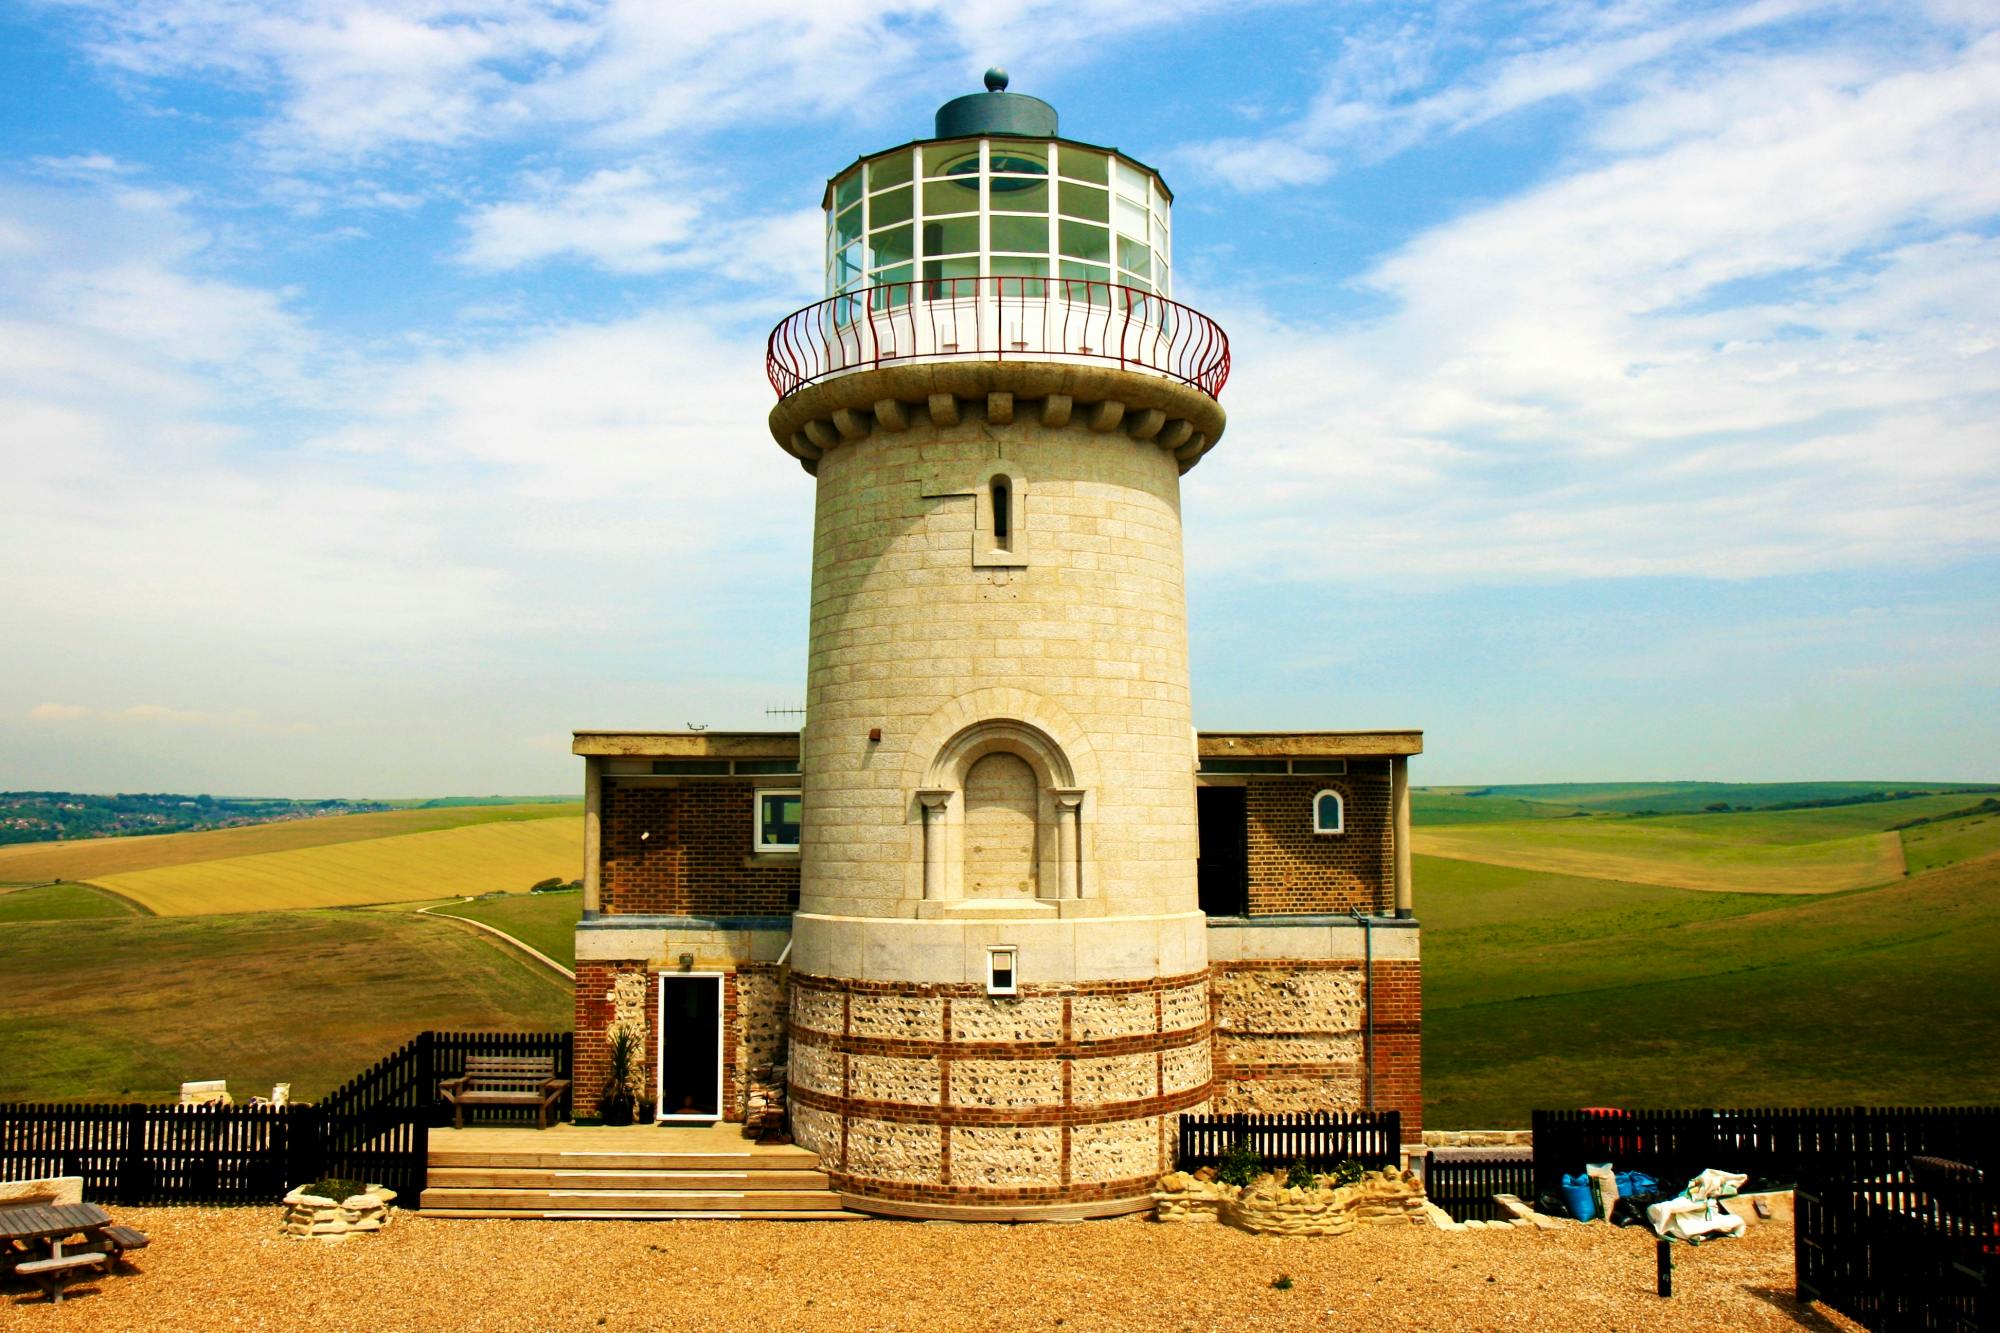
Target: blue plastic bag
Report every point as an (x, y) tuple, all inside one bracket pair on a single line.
[(1580, 1197), (1636, 1182)]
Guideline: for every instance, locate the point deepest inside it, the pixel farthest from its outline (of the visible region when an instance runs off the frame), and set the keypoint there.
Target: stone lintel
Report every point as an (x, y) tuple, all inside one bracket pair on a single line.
[(688, 744)]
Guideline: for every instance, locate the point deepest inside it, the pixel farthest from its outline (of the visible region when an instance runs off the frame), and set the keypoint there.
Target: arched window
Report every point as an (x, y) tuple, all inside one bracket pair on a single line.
[(1329, 813)]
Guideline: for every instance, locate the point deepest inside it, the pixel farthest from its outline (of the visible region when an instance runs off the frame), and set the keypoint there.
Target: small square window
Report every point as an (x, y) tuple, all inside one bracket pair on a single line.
[(1000, 961), (777, 821)]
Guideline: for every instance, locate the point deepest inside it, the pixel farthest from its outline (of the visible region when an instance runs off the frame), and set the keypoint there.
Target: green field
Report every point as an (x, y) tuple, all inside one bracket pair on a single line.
[(544, 921), (1544, 988), (111, 1008), (62, 902)]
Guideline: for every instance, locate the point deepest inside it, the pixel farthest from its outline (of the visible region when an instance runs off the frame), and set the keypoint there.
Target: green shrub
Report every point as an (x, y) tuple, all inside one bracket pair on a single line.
[(1300, 1177), (1347, 1173), (335, 1188), (1283, 1282), (1240, 1165)]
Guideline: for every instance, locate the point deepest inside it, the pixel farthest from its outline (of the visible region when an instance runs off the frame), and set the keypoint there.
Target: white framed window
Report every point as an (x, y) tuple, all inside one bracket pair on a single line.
[(1329, 812), (777, 812), (1001, 978)]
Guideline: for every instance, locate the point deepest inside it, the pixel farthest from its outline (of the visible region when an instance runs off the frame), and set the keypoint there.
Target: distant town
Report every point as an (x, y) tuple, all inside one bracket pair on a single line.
[(58, 816)]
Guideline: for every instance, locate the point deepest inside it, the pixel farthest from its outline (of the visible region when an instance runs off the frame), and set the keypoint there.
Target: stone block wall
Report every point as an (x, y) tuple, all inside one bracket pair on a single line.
[(1291, 1035), (923, 1099), (1296, 871), (697, 861)]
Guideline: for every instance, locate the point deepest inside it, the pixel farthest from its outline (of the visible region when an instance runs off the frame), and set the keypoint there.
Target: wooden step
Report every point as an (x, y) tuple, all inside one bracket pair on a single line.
[(652, 1201), (773, 1158), (478, 1177), (641, 1215)]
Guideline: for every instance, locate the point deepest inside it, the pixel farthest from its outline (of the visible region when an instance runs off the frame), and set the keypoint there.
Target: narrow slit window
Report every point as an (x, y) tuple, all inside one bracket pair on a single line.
[(1003, 525)]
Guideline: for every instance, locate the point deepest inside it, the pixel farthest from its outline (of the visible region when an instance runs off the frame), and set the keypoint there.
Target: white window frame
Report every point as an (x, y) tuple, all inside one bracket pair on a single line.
[(1011, 954), (1339, 805), (757, 844)]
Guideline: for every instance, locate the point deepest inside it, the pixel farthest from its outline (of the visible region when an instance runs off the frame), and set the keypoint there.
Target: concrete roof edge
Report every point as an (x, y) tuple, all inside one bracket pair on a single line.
[(1278, 744), (685, 744)]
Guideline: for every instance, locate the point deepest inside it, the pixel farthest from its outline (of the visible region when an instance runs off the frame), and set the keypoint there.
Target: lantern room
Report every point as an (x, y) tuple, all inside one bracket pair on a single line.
[(997, 195)]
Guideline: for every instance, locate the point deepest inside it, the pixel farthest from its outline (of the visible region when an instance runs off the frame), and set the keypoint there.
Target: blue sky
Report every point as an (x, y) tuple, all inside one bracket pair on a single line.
[(381, 384)]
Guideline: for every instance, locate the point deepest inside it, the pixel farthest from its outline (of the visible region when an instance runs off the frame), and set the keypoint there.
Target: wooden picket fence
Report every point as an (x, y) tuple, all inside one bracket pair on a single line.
[(1321, 1139), (376, 1127), (1463, 1183), (1916, 1248)]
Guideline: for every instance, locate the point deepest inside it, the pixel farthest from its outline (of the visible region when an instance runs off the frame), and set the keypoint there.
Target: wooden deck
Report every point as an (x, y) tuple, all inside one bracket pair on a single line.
[(641, 1171)]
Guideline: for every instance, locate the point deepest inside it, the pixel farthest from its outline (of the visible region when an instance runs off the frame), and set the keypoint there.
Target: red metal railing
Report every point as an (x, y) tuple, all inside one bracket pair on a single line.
[(997, 319)]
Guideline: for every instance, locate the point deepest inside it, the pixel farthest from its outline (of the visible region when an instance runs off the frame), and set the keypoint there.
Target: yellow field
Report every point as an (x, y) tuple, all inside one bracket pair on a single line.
[(1649, 852), (506, 855), (93, 858)]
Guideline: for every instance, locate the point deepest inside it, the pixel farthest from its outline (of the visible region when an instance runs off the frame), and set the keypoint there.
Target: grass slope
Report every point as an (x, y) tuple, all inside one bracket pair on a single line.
[(1692, 797), (1554, 991), (112, 1008), (35, 863), (62, 902), (506, 855), (544, 921)]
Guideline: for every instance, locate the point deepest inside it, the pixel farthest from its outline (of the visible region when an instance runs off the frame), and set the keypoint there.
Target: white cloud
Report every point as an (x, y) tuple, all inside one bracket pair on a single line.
[(57, 712), (1767, 343)]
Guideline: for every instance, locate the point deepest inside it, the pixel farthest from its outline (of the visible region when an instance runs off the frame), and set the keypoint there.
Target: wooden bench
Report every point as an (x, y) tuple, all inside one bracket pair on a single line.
[(505, 1080), (51, 1274), (123, 1240)]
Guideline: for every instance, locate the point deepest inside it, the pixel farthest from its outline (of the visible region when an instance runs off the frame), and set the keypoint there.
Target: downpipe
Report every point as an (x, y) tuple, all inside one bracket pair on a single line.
[(1367, 924)]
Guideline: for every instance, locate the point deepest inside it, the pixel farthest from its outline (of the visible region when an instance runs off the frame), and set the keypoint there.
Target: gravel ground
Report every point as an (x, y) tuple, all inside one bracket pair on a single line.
[(228, 1268)]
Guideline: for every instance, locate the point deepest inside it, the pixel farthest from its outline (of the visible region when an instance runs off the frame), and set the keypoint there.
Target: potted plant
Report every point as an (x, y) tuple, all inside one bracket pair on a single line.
[(615, 1103)]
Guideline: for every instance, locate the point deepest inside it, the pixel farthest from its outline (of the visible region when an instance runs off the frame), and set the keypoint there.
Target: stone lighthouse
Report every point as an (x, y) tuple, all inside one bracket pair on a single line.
[(998, 924), (997, 917)]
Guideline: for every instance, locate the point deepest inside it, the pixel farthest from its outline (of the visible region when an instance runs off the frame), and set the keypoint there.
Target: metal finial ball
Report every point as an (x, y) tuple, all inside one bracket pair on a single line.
[(996, 80)]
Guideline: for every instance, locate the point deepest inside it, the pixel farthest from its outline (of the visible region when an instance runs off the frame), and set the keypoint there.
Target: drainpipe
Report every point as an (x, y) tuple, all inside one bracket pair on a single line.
[(1367, 924)]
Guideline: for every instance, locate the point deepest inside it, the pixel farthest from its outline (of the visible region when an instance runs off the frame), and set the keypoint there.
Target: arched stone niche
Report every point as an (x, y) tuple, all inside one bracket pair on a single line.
[(1002, 817)]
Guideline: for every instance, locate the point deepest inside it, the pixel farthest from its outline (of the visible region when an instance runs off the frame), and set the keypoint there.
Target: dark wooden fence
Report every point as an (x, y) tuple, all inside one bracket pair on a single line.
[(376, 1127), (1463, 1183), (1778, 1146), (1915, 1249), (1322, 1140)]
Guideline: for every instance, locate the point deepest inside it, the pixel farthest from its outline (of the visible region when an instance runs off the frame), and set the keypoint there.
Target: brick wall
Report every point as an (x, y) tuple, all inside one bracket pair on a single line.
[(1293, 869), (697, 861), (1291, 1035)]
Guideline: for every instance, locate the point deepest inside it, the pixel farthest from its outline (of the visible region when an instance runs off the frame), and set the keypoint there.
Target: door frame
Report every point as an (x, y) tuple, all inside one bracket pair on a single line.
[(660, 1073)]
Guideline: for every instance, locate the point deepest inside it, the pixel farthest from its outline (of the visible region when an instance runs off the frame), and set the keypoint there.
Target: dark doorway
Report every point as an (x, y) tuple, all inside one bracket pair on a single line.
[(1224, 877), (690, 1047)]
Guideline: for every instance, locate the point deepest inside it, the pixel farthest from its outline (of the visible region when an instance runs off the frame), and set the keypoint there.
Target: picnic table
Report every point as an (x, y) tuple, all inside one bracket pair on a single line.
[(33, 1238)]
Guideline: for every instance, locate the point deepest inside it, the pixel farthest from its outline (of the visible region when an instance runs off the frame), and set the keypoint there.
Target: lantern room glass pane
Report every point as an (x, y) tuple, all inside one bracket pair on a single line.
[(951, 196), (847, 190), (892, 245), (890, 206), (890, 169), (1082, 164), (1083, 201), (1131, 220), (847, 267), (1133, 183), (1020, 233), (847, 227), (960, 157), (949, 279), (892, 287), (1013, 157), (1082, 240), (1086, 284), (952, 236), (1030, 272), (1019, 194), (1133, 255)]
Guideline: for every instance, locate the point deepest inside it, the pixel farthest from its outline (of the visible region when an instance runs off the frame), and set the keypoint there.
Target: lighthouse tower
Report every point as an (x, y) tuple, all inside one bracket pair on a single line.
[(996, 919), (999, 992)]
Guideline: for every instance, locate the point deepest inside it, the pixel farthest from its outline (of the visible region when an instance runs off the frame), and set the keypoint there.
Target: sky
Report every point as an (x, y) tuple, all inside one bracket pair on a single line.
[(1616, 385)]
